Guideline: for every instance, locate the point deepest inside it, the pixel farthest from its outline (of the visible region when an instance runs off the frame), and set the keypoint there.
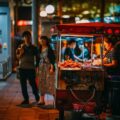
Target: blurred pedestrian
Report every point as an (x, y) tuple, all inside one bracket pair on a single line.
[(85, 53), (63, 47), (111, 63), (69, 53), (111, 57), (46, 69), (28, 56)]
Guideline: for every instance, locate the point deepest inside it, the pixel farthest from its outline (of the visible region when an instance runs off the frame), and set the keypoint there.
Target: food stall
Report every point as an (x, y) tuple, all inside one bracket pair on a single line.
[(80, 84)]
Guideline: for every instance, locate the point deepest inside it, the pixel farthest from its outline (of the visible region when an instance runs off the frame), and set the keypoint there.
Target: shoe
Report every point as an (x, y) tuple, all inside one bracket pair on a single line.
[(47, 107), (34, 104), (41, 103), (24, 102)]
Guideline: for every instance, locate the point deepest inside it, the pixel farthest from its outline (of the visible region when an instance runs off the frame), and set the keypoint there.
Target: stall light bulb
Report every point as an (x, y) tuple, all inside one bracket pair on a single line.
[(49, 9), (43, 14)]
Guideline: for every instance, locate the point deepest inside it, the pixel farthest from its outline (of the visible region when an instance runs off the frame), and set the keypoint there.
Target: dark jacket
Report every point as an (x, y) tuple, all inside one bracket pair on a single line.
[(50, 55), (27, 60), (69, 53)]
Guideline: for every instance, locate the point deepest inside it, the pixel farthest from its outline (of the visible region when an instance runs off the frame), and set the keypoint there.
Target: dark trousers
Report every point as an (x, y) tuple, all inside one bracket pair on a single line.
[(28, 74), (112, 93)]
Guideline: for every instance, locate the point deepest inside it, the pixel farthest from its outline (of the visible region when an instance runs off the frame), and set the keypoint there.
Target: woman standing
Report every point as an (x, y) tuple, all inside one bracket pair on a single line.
[(46, 69)]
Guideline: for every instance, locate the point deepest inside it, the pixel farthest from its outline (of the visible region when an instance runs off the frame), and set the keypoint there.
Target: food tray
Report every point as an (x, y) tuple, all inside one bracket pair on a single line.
[(62, 68)]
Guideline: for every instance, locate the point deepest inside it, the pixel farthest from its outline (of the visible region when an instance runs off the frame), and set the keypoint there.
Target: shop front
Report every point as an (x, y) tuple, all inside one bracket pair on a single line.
[(5, 42)]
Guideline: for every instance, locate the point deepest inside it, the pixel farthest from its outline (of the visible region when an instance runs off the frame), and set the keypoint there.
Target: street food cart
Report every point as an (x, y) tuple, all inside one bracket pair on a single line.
[(80, 84)]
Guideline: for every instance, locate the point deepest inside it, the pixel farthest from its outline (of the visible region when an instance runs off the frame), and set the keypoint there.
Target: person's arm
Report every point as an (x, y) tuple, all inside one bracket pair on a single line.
[(37, 56), (84, 54), (51, 57), (51, 68), (114, 56), (112, 64), (17, 53), (20, 51), (67, 54), (81, 55), (77, 58)]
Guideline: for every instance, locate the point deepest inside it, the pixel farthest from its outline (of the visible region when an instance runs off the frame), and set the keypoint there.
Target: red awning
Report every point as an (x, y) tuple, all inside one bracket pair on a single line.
[(89, 28)]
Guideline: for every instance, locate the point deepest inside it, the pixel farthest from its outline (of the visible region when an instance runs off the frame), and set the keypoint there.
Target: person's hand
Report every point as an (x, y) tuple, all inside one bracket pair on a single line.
[(51, 70), (97, 62), (67, 57), (21, 51), (105, 60)]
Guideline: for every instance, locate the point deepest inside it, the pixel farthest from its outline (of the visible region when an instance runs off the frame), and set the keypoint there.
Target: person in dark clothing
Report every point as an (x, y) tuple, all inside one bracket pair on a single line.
[(77, 50), (111, 63), (28, 56), (117, 58), (111, 57), (85, 53), (70, 51)]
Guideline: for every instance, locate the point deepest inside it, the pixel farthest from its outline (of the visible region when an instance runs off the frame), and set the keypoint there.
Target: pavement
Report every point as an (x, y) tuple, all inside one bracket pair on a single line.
[(10, 97)]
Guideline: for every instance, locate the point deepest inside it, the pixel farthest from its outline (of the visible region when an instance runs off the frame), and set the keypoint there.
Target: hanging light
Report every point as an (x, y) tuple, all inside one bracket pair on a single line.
[(50, 9), (66, 16), (83, 21), (43, 14), (77, 19)]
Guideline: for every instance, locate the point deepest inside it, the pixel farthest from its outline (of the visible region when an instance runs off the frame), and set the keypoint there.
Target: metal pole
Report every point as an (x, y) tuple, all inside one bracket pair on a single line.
[(35, 21), (14, 59), (101, 50), (59, 10), (102, 10), (16, 16)]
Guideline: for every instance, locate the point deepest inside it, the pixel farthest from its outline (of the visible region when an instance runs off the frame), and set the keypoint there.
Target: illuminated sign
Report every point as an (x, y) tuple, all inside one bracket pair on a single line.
[(24, 23)]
